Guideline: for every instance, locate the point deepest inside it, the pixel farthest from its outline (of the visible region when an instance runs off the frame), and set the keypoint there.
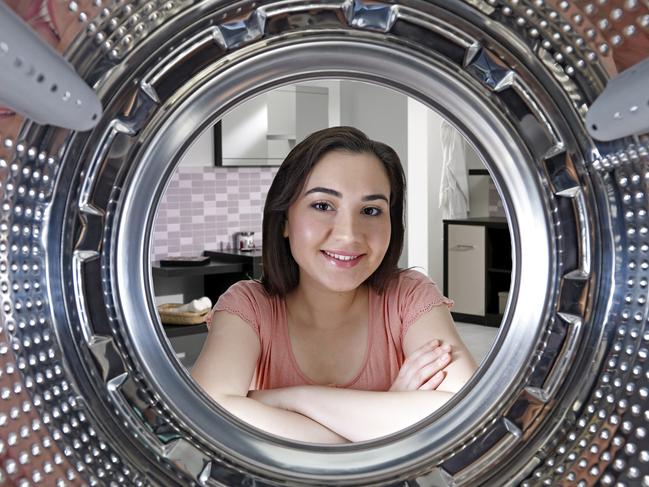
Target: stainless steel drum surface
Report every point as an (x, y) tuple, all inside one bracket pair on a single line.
[(90, 392)]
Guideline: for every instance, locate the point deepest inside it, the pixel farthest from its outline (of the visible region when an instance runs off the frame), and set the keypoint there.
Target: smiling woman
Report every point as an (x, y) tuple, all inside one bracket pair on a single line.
[(333, 233)]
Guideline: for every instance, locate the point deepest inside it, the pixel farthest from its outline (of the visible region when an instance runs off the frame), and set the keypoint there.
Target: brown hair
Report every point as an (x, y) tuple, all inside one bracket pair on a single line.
[(280, 271)]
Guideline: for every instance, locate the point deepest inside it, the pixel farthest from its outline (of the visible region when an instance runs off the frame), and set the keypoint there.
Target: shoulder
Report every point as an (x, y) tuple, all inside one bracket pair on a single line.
[(408, 280), (247, 299), (248, 289), (413, 293), (412, 275), (246, 294)]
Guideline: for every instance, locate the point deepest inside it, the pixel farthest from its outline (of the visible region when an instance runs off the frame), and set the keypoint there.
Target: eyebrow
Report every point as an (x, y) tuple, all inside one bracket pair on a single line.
[(338, 194)]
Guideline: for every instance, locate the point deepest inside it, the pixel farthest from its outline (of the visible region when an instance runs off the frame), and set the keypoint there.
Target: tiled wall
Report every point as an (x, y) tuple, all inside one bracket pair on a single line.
[(204, 206)]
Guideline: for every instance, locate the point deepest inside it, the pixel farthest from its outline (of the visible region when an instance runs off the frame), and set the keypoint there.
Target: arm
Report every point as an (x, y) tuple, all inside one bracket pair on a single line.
[(438, 324), (224, 370), (364, 415), (356, 415)]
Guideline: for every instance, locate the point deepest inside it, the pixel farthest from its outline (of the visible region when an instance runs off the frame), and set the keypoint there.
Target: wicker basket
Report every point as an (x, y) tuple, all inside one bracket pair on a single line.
[(170, 317)]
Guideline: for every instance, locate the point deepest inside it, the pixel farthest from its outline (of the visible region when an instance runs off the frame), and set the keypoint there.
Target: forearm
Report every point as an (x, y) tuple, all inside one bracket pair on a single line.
[(285, 423), (357, 415)]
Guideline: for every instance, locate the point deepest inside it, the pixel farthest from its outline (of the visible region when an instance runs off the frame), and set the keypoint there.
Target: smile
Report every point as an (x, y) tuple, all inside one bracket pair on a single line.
[(340, 260), (344, 258)]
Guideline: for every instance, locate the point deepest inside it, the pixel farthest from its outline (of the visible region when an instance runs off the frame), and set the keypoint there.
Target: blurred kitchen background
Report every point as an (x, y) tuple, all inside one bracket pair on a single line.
[(455, 232)]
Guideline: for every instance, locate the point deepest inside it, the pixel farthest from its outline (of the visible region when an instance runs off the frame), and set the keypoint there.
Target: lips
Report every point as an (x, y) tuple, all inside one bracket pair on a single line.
[(342, 259)]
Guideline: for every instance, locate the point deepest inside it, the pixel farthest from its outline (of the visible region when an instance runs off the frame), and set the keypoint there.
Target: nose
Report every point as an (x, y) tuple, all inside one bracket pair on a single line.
[(346, 227)]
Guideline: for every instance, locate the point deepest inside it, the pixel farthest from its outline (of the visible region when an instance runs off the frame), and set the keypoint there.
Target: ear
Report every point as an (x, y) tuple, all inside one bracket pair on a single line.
[(285, 232)]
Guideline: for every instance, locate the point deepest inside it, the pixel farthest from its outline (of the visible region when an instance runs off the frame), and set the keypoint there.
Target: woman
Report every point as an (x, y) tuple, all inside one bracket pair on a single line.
[(335, 344)]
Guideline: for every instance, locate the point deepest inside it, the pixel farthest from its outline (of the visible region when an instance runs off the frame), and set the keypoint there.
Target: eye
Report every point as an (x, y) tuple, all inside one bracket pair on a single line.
[(372, 211), (322, 206)]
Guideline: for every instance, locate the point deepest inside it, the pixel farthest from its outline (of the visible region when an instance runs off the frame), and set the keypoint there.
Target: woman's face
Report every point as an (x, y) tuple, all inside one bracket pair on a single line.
[(339, 227)]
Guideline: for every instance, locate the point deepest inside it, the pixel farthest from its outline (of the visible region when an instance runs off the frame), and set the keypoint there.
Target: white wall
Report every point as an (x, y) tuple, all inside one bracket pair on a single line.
[(201, 152), (333, 85), (379, 112), (435, 226), (417, 206)]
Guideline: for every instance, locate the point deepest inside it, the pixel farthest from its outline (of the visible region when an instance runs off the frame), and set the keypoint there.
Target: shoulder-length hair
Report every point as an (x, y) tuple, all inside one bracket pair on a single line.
[(280, 271)]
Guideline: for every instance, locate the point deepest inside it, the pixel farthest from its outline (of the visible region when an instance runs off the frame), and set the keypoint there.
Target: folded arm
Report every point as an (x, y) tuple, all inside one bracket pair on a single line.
[(356, 415), (364, 415), (322, 414), (224, 370)]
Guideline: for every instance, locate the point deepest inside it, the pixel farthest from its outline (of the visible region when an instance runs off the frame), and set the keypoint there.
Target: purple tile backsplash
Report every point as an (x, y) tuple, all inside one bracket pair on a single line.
[(204, 207)]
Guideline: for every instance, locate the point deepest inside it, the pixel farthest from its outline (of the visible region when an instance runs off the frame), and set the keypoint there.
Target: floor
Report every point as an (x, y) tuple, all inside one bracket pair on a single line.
[(477, 338)]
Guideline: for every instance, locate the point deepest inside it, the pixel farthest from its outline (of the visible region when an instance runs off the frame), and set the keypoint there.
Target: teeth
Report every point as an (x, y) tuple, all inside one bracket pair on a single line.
[(341, 257)]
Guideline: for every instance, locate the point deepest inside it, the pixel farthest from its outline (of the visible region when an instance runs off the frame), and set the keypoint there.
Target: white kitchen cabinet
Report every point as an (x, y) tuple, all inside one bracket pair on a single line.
[(477, 267), (242, 134), (263, 130), (466, 263), (281, 137)]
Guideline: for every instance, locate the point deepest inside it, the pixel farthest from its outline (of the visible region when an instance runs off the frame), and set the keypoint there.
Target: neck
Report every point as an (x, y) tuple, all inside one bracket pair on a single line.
[(322, 308)]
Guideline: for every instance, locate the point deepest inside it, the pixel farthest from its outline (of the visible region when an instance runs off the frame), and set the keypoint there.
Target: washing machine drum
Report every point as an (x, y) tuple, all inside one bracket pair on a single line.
[(90, 390)]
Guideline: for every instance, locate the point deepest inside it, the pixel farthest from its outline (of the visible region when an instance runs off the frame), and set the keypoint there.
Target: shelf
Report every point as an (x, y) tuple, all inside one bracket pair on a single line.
[(489, 222), (499, 270), (489, 319), (493, 319)]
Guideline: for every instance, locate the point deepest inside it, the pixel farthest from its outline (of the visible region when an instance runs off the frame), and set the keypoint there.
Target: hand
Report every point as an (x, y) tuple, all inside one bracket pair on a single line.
[(423, 370)]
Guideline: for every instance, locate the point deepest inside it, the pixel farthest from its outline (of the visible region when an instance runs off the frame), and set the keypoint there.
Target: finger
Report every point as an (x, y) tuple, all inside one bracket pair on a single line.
[(434, 382), (440, 351), (430, 357), (424, 349), (429, 370), (412, 379), (410, 375)]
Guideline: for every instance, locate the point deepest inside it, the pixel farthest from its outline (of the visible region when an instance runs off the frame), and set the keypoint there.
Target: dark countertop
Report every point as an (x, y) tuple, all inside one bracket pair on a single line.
[(214, 267), (233, 255)]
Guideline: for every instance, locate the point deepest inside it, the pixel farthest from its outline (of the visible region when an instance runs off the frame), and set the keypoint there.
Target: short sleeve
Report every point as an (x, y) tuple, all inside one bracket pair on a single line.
[(417, 295), (243, 300)]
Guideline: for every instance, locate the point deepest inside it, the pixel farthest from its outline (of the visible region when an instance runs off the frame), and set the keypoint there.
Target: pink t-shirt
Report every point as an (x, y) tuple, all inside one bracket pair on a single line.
[(407, 297)]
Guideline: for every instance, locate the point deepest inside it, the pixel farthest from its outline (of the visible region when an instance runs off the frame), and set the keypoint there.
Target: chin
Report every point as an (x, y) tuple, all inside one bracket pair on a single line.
[(337, 284), (342, 288)]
